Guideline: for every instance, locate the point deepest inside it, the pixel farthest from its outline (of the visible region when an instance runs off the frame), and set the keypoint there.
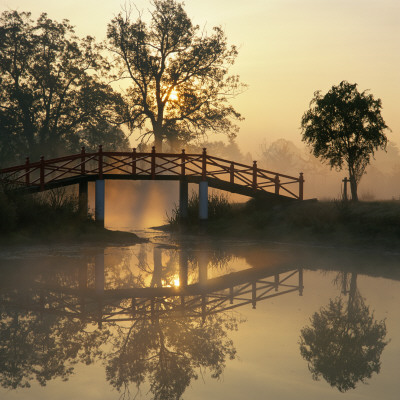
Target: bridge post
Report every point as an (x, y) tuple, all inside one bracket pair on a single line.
[(41, 173), (153, 163), (203, 189), (301, 285), (99, 202), (301, 186), (134, 161), (83, 198), (203, 200), (277, 184), (254, 185), (83, 161)]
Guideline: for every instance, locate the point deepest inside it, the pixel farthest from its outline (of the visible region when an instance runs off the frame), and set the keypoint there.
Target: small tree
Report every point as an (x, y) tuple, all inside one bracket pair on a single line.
[(345, 127), (179, 83)]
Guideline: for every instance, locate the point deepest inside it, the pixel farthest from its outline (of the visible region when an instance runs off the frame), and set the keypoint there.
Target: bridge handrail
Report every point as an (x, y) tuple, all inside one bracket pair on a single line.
[(190, 164)]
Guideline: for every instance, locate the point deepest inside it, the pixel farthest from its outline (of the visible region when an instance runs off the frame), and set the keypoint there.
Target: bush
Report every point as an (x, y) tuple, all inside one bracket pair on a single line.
[(218, 207), (39, 213)]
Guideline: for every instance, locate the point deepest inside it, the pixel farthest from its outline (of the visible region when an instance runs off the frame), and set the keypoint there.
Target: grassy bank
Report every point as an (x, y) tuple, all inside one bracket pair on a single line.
[(329, 222), (51, 217)]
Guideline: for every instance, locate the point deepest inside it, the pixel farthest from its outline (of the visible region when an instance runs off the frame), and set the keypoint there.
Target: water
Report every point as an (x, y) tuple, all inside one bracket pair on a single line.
[(197, 318)]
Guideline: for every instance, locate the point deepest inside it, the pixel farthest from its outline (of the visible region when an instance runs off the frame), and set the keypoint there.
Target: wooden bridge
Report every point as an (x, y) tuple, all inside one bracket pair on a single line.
[(203, 169)]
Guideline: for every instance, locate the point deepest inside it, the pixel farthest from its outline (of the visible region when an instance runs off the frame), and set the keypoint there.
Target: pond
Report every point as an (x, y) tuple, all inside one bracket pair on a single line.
[(195, 318)]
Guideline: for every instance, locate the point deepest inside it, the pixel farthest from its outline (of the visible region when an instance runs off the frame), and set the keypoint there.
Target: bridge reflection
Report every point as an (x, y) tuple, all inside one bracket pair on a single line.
[(91, 291)]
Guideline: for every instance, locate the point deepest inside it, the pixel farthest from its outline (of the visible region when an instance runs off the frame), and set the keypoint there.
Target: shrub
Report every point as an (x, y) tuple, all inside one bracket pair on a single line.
[(218, 207)]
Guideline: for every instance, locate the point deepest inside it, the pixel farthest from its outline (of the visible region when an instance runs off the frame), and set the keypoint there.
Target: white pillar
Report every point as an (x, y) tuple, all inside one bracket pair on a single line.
[(99, 201), (203, 200)]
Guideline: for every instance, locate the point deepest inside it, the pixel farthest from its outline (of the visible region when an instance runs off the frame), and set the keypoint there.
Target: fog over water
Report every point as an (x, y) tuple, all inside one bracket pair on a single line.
[(247, 304)]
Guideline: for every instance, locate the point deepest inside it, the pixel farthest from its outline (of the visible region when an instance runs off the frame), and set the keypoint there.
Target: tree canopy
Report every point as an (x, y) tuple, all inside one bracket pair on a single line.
[(345, 127), (51, 86), (178, 74), (344, 343)]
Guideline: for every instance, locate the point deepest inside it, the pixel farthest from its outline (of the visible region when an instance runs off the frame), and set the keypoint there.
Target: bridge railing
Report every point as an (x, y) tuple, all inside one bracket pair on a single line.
[(152, 164)]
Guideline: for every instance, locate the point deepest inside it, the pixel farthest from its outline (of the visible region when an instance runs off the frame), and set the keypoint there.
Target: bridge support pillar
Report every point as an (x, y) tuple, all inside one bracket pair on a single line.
[(99, 202), (83, 198), (203, 200), (183, 199)]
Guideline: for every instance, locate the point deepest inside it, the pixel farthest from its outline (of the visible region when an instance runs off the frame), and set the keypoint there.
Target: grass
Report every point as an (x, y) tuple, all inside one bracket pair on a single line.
[(51, 216), (218, 208), (374, 223)]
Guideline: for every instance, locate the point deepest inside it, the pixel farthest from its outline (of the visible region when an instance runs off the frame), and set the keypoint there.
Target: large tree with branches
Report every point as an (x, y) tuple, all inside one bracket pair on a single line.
[(179, 83), (345, 127), (51, 87)]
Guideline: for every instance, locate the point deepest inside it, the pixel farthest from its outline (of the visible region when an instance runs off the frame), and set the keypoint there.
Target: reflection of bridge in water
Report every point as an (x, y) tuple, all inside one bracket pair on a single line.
[(92, 300)]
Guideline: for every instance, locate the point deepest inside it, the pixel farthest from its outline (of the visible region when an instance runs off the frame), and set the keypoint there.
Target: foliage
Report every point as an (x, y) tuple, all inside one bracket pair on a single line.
[(345, 127), (33, 347), (103, 133), (50, 86), (178, 74), (167, 353), (343, 344), (39, 213)]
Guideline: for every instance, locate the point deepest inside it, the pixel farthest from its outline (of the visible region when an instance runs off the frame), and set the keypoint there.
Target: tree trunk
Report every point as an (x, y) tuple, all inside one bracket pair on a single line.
[(352, 295), (353, 187), (158, 142)]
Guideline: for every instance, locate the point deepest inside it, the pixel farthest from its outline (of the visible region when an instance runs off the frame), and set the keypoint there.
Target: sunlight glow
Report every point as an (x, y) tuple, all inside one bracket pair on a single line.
[(175, 282), (172, 282), (173, 96)]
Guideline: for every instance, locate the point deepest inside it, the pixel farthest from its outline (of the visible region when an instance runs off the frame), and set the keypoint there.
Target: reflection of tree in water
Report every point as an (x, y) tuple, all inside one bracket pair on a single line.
[(169, 353), (344, 342), (43, 347)]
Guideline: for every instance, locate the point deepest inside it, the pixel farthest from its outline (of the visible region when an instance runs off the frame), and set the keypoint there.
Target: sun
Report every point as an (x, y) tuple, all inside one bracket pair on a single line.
[(173, 96), (175, 282)]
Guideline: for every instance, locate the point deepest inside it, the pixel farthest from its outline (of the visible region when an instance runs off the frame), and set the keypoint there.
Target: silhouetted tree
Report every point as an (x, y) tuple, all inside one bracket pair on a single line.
[(167, 353), (102, 133), (179, 83), (344, 343), (43, 348), (50, 86), (345, 127)]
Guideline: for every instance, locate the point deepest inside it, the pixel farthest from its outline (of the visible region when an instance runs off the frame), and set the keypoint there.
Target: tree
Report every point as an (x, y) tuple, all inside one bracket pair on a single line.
[(168, 352), (50, 86), (105, 133), (344, 344), (179, 83), (345, 127)]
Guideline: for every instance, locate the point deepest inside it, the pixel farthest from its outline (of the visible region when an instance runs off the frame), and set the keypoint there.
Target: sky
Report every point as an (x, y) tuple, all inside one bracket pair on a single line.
[(288, 49)]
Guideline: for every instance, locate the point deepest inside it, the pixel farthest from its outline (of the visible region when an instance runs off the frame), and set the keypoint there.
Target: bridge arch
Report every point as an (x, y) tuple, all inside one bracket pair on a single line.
[(202, 169)]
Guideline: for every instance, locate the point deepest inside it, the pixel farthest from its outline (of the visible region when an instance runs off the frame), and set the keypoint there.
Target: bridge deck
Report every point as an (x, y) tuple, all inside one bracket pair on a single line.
[(219, 173)]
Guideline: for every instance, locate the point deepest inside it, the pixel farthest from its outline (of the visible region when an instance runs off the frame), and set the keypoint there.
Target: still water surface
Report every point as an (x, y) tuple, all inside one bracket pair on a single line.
[(196, 319)]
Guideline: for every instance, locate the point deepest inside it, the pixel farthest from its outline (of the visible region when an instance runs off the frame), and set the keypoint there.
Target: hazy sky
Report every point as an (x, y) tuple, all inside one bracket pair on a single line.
[(288, 50)]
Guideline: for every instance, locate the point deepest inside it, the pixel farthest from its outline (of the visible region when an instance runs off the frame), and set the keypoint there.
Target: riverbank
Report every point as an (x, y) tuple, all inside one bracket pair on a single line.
[(52, 217), (314, 222)]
